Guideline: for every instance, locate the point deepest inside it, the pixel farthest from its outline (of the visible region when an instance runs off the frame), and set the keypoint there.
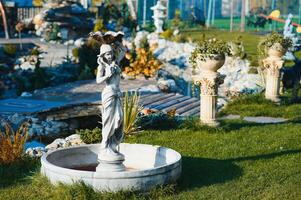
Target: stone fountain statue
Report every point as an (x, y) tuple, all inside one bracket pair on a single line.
[(108, 72), (158, 16)]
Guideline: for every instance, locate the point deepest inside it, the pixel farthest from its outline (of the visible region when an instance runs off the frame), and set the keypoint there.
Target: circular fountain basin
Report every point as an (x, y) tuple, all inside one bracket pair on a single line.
[(146, 167)]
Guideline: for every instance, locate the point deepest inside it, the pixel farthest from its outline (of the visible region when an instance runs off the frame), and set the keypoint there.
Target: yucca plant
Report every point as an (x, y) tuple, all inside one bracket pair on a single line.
[(131, 110), (12, 143)]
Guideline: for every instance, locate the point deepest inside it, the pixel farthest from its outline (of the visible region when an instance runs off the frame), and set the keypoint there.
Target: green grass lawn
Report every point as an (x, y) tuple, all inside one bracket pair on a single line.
[(250, 40), (239, 160), (257, 105)]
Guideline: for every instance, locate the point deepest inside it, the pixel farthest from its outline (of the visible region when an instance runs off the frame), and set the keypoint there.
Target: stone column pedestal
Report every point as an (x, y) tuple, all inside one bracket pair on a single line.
[(209, 83), (272, 66)]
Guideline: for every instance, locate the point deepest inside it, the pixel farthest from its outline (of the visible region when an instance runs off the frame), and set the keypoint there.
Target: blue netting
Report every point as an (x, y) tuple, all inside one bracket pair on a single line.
[(187, 7)]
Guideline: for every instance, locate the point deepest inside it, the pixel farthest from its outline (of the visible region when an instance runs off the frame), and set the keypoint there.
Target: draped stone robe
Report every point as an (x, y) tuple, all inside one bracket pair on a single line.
[(112, 112)]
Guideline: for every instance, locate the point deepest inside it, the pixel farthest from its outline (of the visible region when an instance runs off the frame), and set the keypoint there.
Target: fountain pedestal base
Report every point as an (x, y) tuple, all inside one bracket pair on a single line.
[(110, 161)]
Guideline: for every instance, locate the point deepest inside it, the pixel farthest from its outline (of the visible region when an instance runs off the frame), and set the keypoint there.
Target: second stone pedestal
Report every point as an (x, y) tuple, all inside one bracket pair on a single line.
[(272, 66), (209, 83)]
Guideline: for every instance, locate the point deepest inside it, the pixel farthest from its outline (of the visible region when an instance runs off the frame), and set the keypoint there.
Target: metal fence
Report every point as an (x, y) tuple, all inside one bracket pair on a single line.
[(27, 12)]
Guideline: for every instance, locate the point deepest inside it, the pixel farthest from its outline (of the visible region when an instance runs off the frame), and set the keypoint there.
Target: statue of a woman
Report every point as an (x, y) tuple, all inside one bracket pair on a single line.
[(112, 113)]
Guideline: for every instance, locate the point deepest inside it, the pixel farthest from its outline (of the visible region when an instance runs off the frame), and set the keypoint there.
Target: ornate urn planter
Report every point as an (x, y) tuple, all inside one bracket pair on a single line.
[(209, 79), (211, 63), (272, 65)]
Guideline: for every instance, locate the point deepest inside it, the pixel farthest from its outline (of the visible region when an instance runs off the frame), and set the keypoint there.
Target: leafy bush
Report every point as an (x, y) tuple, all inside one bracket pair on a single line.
[(143, 64), (85, 74), (12, 143), (207, 48), (10, 49), (158, 121), (131, 111), (270, 40), (142, 61), (87, 55), (90, 136)]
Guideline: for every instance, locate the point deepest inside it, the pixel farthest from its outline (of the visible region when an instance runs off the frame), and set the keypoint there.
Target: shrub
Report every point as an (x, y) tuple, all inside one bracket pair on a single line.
[(131, 111), (142, 61), (12, 143), (158, 121), (90, 136), (10, 49), (85, 74), (144, 64), (89, 50)]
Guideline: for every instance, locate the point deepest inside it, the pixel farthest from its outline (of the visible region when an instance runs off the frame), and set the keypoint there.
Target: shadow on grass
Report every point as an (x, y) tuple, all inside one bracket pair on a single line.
[(18, 171), (199, 172), (264, 156)]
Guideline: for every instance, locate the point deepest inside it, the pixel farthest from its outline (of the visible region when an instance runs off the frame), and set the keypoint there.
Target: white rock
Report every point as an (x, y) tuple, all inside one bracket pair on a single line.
[(167, 85), (79, 42), (149, 88), (36, 152), (26, 94)]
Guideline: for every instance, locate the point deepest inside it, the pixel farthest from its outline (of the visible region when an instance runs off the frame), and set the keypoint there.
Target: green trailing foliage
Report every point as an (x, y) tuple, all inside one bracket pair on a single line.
[(270, 40), (90, 136), (207, 48)]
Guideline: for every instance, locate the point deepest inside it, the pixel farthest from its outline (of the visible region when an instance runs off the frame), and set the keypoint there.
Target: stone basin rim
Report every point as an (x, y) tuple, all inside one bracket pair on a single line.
[(139, 173)]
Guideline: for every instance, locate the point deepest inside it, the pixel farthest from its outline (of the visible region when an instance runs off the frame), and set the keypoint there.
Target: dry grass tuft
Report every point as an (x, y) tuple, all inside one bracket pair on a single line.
[(12, 143)]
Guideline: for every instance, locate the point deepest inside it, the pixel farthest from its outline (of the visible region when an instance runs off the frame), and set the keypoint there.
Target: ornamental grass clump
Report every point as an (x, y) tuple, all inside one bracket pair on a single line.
[(131, 110), (269, 42), (12, 143), (207, 49)]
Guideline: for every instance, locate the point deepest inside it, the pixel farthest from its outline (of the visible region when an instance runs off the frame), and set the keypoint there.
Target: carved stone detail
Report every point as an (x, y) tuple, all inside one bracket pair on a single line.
[(209, 83), (272, 66)]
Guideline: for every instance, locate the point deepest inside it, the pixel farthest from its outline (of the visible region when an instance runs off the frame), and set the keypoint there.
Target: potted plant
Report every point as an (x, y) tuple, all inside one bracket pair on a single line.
[(274, 45), (209, 55)]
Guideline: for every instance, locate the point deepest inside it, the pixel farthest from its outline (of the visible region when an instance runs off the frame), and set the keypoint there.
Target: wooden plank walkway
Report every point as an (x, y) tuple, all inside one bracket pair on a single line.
[(184, 105)]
